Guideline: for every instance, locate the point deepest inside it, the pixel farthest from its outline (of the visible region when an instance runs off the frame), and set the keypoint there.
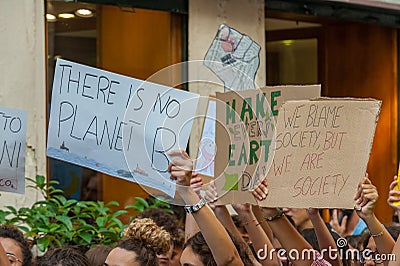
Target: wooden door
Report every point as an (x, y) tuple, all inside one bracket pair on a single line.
[(136, 43)]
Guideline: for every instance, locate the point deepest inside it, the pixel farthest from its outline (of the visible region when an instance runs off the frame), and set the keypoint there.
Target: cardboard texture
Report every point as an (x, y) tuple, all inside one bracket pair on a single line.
[(322, 152), (245, 137)]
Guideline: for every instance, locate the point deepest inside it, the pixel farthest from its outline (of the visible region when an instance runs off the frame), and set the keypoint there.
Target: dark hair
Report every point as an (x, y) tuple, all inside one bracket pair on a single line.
[(311, 237), (144, 256), (237, 221), (199, 246), (167, 221), (177, 210), (394, 231), (9, 231), (363, 243), (97, 255), (146, 239), (64, 256), (354, 241)]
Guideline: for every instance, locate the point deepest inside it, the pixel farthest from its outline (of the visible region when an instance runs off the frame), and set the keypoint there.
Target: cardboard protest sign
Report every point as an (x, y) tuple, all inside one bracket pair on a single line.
[(87, 123), (234, 58), (245, 137), (322, 151), (12, 150)]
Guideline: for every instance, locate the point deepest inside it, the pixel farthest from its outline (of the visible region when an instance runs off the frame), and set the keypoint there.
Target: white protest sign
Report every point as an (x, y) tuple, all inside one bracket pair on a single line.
[(206, 153), (87, 121), (322, 152), (234, 57), (12, 150), (162, 119)]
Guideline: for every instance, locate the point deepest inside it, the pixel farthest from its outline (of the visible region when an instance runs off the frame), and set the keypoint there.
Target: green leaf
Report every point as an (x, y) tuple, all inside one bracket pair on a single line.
[(120, 212), (141, 201), (69, 203), (65, 220), (81, 204), (43, 243), (118, 222), (169, 211), (12, 209), (40, 181), (24, 228), (101, 221), (86, 236), (43, 230), (112, 203)]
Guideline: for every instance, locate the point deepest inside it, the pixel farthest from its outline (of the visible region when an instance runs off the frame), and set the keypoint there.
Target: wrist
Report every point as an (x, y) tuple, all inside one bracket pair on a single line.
[(370, 218), (188, 195), (195, 207), (278, 214), (269, 211)]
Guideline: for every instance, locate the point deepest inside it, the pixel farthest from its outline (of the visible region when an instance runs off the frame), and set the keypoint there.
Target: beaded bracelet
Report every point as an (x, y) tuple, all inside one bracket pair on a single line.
[(279, 213), (246, 223), (378, 234)]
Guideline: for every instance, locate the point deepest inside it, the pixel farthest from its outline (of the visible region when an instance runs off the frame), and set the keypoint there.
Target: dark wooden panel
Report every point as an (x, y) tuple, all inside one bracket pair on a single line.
[(361, 61)]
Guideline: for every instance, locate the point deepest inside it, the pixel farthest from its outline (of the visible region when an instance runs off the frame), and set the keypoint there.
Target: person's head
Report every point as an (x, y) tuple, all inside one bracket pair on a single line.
[(97, 255), (394, 231), (170, 223), (143, 241), (196, 251), (353, 241), (92, 189), (369, 253), (299, 217), (64, 256), (15, 245), (178, 248), (311, 237)]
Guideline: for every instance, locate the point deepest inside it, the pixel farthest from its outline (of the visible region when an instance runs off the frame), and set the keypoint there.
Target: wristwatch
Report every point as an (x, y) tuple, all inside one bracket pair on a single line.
[(279, 213), (196, 207)]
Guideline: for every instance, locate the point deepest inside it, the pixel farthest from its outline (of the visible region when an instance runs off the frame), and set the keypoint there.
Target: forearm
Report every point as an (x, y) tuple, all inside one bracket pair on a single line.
[(218, 240), (383, 240), (396, 252), (258, 213), (325, 239), (260, 240), (222, 213), (288, 236)]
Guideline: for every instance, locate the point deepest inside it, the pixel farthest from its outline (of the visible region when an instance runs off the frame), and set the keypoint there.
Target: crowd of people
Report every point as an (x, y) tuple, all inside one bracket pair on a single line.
[(211, 235)]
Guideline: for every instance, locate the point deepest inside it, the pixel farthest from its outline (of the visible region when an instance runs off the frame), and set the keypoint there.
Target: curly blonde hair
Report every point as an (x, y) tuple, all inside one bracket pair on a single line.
[(147, 232)]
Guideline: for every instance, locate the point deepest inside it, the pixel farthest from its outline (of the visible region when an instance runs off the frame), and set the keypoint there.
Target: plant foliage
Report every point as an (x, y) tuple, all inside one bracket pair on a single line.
[(58, 221)]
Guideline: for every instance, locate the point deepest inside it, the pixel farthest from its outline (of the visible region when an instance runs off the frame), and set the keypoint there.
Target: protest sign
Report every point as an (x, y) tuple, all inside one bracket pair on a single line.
[(234, 57), (87, 123), (204, 164), (12, 148), (322, 152), (245, 137)]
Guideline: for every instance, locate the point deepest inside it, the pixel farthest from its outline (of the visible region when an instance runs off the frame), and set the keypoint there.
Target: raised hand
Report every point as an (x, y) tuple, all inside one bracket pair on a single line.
[(211, 194), (260, 192), (196, 183), (367, 198), (180, 167), (339, 227), (394, 195)]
